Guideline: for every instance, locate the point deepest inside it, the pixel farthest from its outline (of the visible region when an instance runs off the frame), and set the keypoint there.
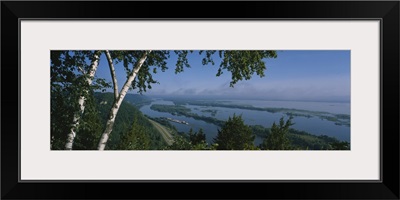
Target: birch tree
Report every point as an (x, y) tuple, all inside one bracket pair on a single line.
[(73, 73), (119, 97), (241, 65), (89, 75)]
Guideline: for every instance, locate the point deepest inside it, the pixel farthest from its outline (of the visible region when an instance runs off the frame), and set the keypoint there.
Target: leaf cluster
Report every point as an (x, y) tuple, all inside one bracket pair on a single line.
[(277, 138), (234, 135)]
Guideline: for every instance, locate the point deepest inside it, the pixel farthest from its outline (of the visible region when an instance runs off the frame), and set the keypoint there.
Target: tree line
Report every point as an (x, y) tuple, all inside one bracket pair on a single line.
[(236, 135)]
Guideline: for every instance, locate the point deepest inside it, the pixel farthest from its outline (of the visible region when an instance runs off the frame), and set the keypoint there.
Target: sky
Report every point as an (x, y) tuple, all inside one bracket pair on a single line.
[(299, 75)]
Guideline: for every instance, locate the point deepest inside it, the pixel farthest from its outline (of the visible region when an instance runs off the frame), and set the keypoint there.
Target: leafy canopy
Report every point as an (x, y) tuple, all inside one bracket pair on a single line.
[(241, 64), (278, 136), (136, 139), (235, 135)]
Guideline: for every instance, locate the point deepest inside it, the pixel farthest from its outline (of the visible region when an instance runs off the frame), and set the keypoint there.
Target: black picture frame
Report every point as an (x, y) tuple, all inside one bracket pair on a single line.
[(386, 11)]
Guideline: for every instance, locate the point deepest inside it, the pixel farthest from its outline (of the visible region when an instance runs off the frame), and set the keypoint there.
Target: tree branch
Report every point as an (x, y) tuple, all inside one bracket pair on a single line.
[(113, 76), (117, 103), (77, 117), (134, 72), (82, 70)]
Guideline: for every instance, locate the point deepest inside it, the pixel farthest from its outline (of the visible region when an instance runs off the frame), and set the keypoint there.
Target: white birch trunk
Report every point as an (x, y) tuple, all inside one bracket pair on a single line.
[(117, 103), (72, 134), (113, 76)]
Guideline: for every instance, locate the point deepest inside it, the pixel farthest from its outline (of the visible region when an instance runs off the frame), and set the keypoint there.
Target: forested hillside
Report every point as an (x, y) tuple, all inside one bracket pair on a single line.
[(124, 128), (132, 130), (136, 100)]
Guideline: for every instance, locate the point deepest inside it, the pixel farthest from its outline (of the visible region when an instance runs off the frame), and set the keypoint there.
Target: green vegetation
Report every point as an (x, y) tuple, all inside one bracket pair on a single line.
[(260, 131), (132, 129), (301, 139), (127, 116), (197, 137), (340, 145), (63, 105), (174, 110), (235, 135), (87, 138), (184, 141), (138, 138), (304, 140), (191, 141), (138, 100), (277, 139), (213, 112), (163, 121), (180, 143)]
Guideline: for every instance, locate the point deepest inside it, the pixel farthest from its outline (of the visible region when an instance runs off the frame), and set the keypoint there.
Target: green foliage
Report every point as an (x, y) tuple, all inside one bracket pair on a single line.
[(190, 141), (340, 145), (180, 143), (241, 64), (138, 138), (144, 79), (197, 137), (137, 100), (208, 58), (212, 112), (182, 60), (90, 127), (277, 139), (173, 109), (234, 135), (299, 140), (62, 111), (163, 121), (68, 74), (202, 146), (69, 70), (306, 141), (156, 59), (123, 122), (260, 131)]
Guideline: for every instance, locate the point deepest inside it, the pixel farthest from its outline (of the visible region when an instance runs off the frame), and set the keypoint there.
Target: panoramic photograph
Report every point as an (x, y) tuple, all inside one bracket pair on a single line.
[(261, 100)]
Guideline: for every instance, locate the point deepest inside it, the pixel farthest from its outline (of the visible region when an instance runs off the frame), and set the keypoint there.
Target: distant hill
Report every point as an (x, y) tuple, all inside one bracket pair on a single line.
[(137, 100)]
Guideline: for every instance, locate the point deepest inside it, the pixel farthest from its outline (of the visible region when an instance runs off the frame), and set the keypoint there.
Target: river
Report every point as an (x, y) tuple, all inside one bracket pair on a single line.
[(313, 124)]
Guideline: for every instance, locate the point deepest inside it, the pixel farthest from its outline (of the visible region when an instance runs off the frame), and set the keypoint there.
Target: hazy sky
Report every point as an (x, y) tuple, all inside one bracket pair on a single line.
[(293, 75)]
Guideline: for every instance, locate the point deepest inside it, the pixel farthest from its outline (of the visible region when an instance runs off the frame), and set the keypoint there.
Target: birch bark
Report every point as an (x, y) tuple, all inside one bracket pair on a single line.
[(72, 134), (118, 101), (113, 76)]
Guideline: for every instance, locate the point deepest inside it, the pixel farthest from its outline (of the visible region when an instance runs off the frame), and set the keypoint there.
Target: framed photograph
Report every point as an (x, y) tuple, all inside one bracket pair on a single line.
[(192, 96)]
